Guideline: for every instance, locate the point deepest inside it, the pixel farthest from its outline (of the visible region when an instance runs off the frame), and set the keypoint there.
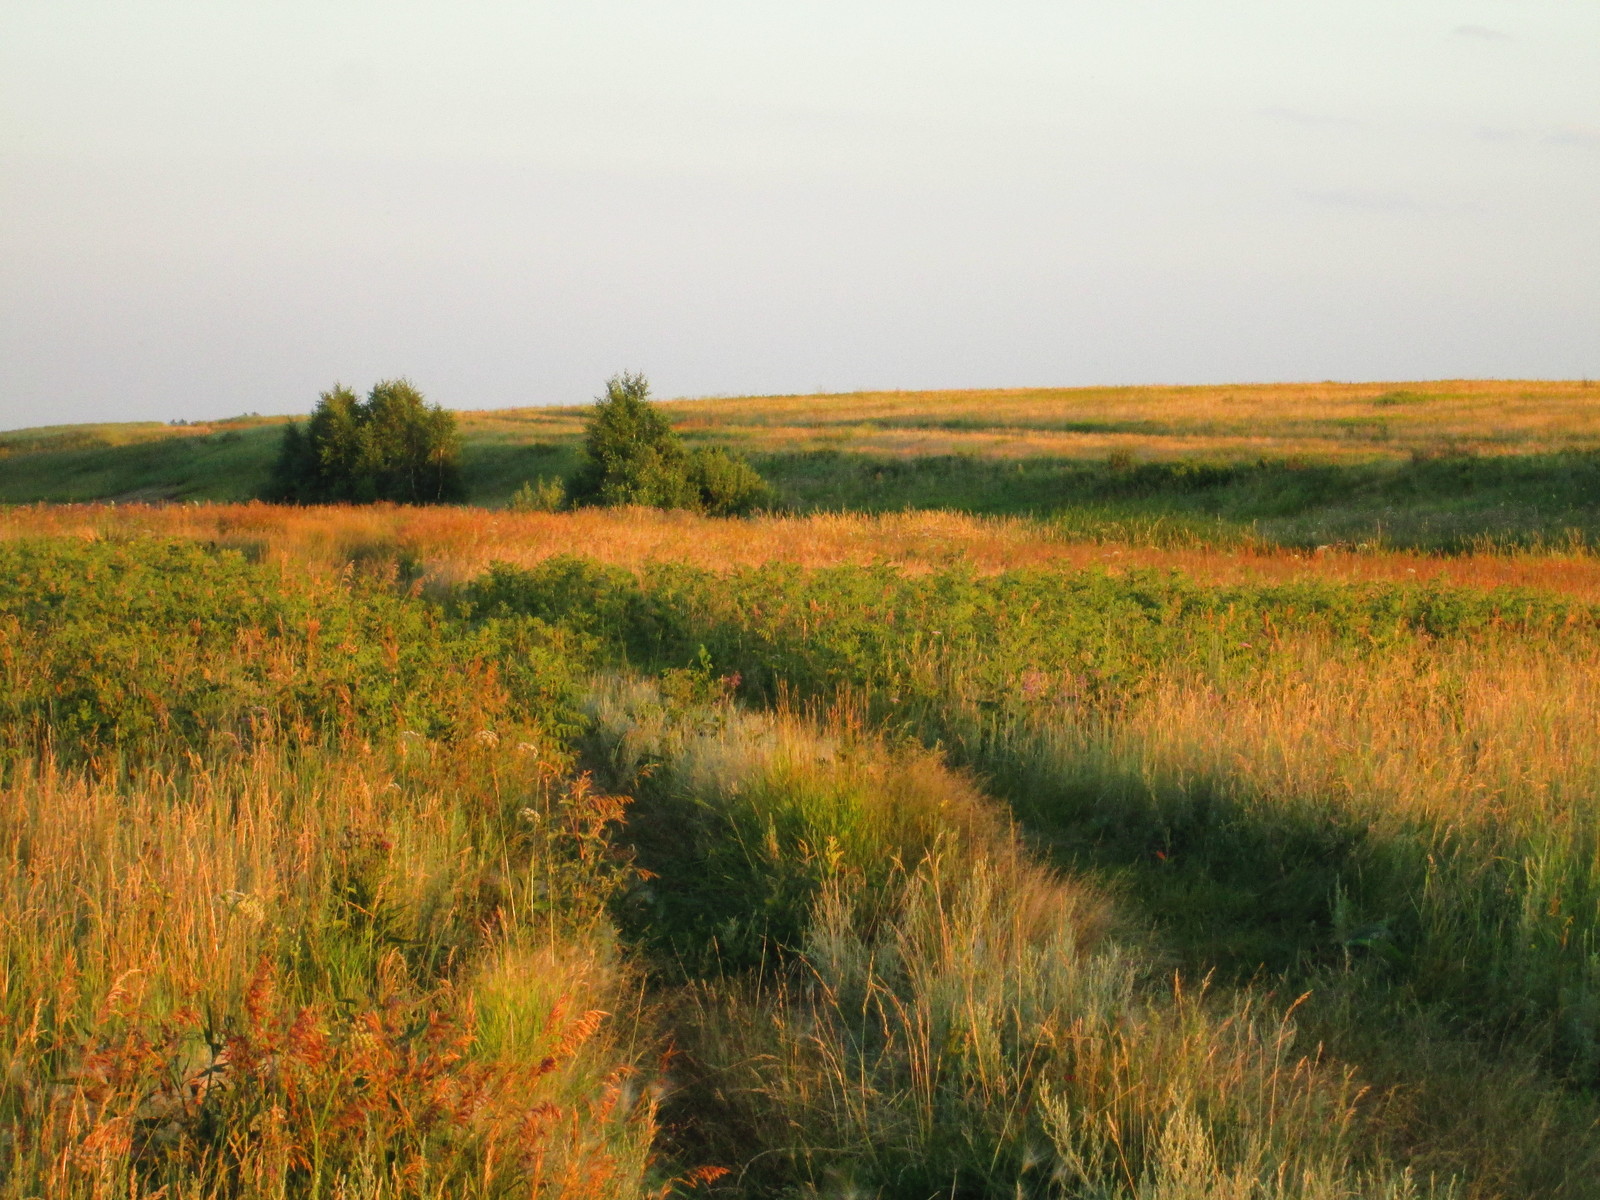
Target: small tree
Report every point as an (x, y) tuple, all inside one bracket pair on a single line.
[(633, 456), (392, 446), (728, 486)]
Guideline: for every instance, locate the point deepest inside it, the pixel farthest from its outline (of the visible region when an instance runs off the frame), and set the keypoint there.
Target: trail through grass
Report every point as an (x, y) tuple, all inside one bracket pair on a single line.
[(327, 877)]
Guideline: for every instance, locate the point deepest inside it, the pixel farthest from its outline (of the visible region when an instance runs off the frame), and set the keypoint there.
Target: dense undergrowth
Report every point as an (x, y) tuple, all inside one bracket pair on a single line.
[(584, 882), (1378, 795), (302, 897)]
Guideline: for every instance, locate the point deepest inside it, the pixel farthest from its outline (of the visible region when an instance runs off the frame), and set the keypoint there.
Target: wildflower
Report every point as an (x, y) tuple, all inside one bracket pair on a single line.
[(251, 907)]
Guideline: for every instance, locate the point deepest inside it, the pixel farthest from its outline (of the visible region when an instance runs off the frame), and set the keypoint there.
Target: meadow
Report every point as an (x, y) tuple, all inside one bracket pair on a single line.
[(1441, 465), (949, 846)]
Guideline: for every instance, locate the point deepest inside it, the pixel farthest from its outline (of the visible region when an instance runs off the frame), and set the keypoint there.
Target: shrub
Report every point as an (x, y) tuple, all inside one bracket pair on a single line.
[(392, 446), (247, 653), (728, 486), (633, 456), (546, 495)]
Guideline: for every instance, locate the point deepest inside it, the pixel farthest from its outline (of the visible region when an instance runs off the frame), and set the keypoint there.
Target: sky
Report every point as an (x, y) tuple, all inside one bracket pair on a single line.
[(214, 208)]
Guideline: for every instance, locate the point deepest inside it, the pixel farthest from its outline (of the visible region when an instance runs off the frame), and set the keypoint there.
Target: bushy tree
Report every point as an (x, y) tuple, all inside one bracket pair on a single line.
[(728, 486), (633, 456), (391, 446)]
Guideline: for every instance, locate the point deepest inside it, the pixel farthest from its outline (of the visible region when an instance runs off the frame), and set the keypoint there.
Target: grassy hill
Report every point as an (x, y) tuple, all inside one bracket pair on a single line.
[(1436, 464)]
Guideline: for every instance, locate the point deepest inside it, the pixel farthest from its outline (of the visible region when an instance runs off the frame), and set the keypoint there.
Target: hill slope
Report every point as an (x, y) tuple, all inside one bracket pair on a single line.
[(1434, 464)]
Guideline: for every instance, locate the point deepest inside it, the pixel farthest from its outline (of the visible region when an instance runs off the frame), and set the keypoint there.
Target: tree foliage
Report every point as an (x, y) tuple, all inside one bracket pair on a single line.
[(632, 455), (391, 446)]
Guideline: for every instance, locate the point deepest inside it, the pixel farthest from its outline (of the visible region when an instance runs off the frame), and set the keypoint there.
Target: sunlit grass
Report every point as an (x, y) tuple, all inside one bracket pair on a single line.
[(451, 546), (179, 940), (989, 877), (1343, 425)]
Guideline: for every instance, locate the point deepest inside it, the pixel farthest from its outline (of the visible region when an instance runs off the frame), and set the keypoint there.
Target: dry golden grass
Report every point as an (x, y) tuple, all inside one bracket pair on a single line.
[(145, 1041), (1324, 421), (1008, 1030), (454, 544), (998, 1025)]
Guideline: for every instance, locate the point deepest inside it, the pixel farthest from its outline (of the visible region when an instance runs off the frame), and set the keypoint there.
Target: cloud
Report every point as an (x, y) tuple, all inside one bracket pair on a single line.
[(1578, 137), (1354, 200), (1307, 120), (1584, 139), (1482, 33)]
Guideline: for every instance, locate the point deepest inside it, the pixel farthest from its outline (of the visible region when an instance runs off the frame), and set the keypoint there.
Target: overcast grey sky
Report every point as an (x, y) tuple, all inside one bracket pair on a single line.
[(214, 207)]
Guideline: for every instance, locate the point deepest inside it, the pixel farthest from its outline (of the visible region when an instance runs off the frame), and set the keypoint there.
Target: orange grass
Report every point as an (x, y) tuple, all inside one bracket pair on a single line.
[(144, 1042), (454, 544), (1348, 422), (1345, 421)]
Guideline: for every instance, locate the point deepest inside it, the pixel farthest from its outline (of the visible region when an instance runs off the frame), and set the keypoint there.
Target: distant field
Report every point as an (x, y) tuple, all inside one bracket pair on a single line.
[(1442, 465), (1327, 422)]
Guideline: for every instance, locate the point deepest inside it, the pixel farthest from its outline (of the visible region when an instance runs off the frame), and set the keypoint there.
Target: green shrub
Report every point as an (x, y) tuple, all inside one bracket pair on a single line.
[(728, 486), (545, 495), (154, 649), (633, 456), (392, 446)]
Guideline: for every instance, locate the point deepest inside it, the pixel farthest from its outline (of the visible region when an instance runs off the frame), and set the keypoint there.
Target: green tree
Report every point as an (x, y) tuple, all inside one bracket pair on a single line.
[(632, 455), (391, 446), (728, 486)]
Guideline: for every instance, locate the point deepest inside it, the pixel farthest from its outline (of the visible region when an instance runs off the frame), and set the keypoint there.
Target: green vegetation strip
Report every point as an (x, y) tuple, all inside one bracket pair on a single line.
[(1489, 916)]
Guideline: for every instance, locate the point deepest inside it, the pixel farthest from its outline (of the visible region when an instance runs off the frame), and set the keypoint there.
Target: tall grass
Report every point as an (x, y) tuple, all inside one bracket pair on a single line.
[(1293, 893), (1425, 817), (939, 1014), (300, 896), (1297, 774), (293, 974), (1381, 797)]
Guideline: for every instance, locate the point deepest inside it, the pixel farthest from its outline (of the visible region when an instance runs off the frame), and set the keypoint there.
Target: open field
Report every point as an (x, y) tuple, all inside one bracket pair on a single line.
[(902, 855), (448, 546), (1070, 833), (1434, 465)]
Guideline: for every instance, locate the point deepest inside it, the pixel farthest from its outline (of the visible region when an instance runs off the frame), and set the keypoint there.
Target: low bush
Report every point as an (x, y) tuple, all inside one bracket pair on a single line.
[(165, 648), (545, 495)]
